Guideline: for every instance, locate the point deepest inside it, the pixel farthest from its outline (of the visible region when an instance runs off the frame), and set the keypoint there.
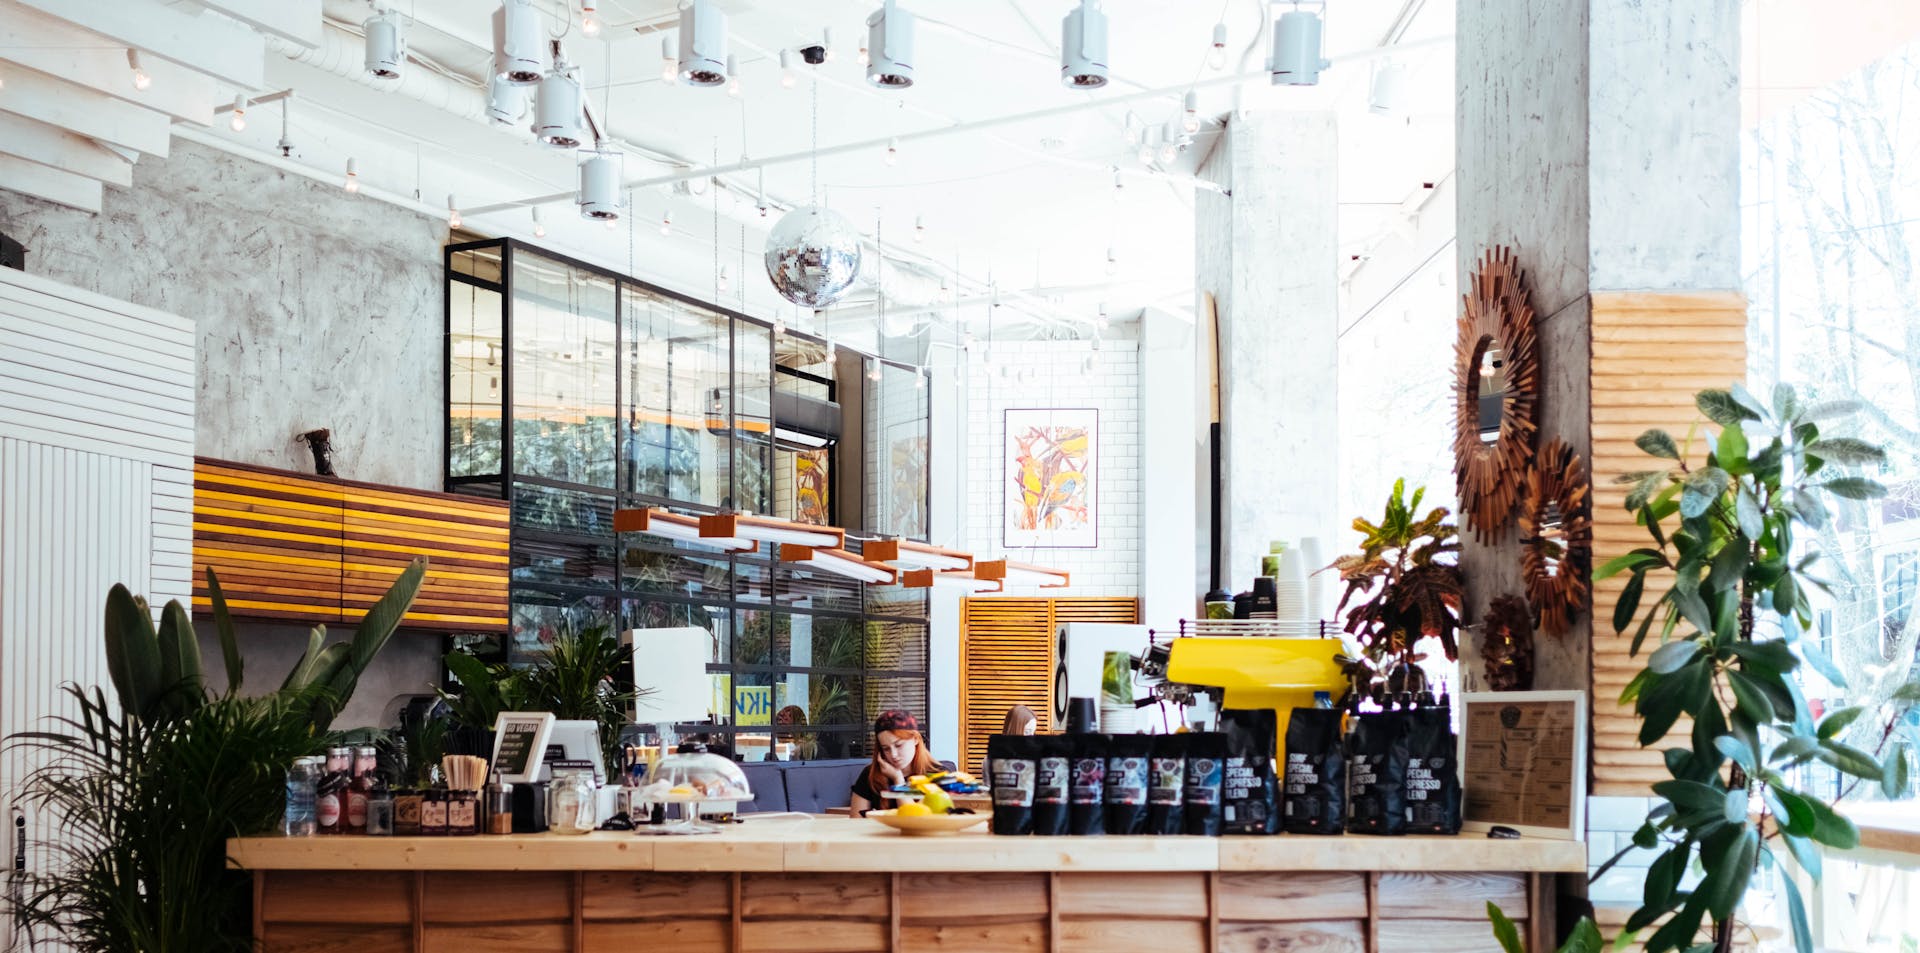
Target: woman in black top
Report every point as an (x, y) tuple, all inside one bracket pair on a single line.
[(899, 752)]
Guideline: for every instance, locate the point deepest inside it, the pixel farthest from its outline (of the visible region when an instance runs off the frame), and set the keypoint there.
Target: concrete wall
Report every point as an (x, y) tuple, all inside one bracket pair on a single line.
[(315, 308), (409, 665)]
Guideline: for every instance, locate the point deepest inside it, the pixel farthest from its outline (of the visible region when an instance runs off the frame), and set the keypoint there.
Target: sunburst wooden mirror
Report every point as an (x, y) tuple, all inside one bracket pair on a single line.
[(1496, 388), (1556, 537)]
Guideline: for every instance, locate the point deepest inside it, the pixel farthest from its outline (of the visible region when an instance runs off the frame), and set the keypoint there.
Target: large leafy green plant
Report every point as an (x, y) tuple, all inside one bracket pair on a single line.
[(147, 791), (1724, 542), (574, 678), (1407, 573)]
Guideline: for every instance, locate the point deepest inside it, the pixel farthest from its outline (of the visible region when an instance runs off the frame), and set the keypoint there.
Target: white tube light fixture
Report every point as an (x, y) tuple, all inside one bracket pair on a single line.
[(703, 44), (519, 43), (600, 185), (1083, 47), (506, 101), (909, 554), (556, 107), (1296, 50), (141, 81), (386, 44), (965, 582), (841, 563), (675, 526), (352, 183), (890, 47), (767, 529)]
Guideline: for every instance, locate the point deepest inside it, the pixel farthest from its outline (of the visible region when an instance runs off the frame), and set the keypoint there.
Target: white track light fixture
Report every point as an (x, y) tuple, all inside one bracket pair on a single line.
[(386, 44), (703, 44), (1389, 89), (556, 107), (1296, 50), (589, 18), (453, 212), (141, 81), (239, 120), (539, 227), (352, 183), (519, 43), (734, 87), (600, 185), (890, 45), (506, 102), (1083, 47), (1217, 56), (787, 75)]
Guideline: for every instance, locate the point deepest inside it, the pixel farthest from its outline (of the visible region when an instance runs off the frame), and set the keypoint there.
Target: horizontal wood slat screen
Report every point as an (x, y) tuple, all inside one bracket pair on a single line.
[(1007, 659), (1651, 354), (296, 548)]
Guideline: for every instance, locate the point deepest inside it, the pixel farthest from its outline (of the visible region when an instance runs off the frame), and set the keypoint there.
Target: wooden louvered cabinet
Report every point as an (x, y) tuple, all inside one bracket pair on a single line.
[(1007, 656)]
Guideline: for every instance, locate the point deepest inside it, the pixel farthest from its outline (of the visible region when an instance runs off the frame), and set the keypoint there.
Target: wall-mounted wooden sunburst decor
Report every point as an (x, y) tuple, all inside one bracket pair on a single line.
[(1556, 537), (1496, 388)]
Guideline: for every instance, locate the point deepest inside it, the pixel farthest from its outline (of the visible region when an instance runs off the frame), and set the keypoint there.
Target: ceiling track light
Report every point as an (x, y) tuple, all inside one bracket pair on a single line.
[(1296, 50), (787, 76), (557, 107), (386, 44), (1083, 47), (1388, 91), (352, 183), (519, 43), (453, 212), (1217, 56), (539, 227), (600, 185), (703, 44), (506, 101), (888, 55), (141, 81), (589, 18), (239, 120)]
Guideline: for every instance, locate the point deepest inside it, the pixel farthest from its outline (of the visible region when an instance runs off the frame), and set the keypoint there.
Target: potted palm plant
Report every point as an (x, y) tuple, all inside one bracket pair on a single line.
[(1407, 578)]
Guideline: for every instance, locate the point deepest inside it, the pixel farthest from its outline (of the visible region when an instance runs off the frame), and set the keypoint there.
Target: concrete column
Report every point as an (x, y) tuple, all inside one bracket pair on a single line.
[(1268, 253)]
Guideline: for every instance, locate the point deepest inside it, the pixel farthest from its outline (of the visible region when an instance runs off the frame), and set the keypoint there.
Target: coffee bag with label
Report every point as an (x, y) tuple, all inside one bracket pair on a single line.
[(1206, 756), (1249, 790), (1433, 775), (1087, 786), (1316, 773), (1377, 773), (1166, 784), (1126, 789), (1052, 784), (1012, 765)]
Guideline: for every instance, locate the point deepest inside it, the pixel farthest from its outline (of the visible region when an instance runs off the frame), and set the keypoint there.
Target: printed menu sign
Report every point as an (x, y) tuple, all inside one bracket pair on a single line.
[(1523, 762), (520, 744)]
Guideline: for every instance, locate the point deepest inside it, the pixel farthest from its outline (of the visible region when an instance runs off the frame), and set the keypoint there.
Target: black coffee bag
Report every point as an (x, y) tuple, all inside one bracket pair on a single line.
[(1166, 785), (1012, 765), (1052, 784), (1249, 790), (1433, 776), (1126, 790), (1087, 785), (1377, 774), (1206, 756), (1316, 774)]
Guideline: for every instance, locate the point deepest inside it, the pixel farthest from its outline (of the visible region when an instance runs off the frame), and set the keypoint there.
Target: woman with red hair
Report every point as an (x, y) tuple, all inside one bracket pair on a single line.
[(899, 752)]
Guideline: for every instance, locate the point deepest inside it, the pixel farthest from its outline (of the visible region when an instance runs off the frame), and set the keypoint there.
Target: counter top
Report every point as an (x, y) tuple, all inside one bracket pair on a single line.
[(847, 845)]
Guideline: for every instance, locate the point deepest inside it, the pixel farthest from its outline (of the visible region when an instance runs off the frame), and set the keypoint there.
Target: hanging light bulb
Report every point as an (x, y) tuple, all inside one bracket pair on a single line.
[(140, 78), (919, 230), (779, 326), (1147, 143), (669, 62), (666, 222), (1119, 187), (1169, 142), (1113, 261), (787, 77), (873, 371), (453, 212), (1086, 364), (352, 183), (1100, 320), (826, 44), (734, 88), (1217, 57), (239, 120), (893, 152), (919, 378), (589, 18), (1190, 115), (862, 58), (539, 227), (967, 340), (833, 353), (723, 279)]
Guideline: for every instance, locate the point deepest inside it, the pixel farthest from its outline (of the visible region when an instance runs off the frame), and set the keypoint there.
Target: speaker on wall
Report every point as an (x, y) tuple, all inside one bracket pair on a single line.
[(12, 253)]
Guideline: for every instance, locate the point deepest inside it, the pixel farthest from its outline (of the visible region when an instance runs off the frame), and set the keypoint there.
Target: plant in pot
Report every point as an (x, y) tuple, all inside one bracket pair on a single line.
[(1407, 578), (1726, 649), (575, 679), (148, 786)]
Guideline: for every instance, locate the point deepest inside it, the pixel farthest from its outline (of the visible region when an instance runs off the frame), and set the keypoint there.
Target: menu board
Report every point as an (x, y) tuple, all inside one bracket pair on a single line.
[(520, 744), (1523, 762)]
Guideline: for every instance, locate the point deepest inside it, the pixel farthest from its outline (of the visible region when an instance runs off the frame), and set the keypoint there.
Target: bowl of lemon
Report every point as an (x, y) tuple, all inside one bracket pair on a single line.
[(918, 820)]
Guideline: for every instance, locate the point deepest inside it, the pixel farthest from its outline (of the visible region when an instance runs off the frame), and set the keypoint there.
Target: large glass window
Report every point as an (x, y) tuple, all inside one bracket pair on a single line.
[(563, 372)]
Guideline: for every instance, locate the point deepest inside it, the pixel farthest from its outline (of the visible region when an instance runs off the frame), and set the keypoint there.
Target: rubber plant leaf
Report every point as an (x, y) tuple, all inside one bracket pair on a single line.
[(133, 651)]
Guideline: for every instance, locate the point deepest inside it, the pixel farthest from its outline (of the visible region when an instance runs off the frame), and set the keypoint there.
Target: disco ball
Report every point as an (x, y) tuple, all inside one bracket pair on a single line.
[(813, 255)]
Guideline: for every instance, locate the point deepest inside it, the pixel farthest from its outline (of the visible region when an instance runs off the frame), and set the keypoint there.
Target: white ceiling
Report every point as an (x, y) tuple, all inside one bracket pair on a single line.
[(1028, 204)]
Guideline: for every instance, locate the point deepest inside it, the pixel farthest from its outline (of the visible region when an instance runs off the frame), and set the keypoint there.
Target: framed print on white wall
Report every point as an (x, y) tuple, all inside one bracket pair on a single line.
[(1050, 487)]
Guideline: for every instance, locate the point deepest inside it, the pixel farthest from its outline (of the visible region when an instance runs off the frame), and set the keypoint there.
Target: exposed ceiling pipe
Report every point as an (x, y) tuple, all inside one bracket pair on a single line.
[(343, 54)]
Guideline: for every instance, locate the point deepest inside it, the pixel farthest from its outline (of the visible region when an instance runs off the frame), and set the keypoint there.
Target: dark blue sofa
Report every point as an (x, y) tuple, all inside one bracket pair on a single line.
[(809, 787)]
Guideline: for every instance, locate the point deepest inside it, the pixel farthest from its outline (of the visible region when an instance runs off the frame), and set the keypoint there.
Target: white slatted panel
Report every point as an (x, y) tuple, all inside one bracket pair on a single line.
[(96, 487)]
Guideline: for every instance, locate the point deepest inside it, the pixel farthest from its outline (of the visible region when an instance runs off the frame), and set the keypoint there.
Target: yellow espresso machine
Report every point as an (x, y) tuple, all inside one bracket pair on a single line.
[(1260, 672)]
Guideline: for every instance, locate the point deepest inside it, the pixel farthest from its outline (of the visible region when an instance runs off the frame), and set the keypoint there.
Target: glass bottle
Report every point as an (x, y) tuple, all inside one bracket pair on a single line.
[(330, 795), (499, 806), (364, 759), (302, 779), (572, 804), (380, 808)]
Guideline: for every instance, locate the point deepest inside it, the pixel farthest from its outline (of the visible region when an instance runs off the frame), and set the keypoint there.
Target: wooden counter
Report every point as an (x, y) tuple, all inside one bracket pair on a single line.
[(831, 884)]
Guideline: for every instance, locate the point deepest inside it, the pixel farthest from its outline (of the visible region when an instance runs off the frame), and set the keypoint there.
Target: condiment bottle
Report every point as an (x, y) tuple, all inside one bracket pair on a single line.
[(364, 759), (380, 808), (463, 813), (433, 812), (330, 795), (499, 805)]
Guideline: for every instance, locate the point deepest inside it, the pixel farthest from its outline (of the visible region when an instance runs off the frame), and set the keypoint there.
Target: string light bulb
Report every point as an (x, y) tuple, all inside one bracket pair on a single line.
[(919, 378), (1169, 142), (589, 18), (453, 212), (669, 62), (863, 58), (666, 222), (787, 77), (734, 87), (919, 229), (352, 183), (873, 371), (833, 353), (141, 81), (1113, 261), (723, 279), (1217, 57), (779, 326), (893, 151), (1190, 115), (1147, 143), (539, 227), (239, 120), (1100, 319)]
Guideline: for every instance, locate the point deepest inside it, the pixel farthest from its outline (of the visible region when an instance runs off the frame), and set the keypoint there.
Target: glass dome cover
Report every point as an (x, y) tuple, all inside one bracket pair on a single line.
[(692, 774)]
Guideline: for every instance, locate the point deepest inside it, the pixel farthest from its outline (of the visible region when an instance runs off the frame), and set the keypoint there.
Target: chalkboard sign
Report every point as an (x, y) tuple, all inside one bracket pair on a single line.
[(1523, 759), (520, 744)]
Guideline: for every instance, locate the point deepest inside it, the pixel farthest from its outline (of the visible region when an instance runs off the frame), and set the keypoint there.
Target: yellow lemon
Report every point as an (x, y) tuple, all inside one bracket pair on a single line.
[(913, 809)]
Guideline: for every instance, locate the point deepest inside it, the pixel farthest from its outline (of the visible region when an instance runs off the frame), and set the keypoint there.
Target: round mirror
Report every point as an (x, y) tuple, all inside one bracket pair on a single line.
[(1556, 535), (1495, 390)]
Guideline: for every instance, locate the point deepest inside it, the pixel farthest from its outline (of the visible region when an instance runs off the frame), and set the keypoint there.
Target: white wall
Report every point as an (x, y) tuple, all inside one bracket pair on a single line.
[(1169, 442)]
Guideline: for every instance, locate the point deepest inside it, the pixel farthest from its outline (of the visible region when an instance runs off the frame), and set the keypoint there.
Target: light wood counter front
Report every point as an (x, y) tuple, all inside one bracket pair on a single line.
[(833, 884)]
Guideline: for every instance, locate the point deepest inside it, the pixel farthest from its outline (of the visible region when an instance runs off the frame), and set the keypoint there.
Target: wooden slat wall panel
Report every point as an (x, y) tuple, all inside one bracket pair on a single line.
[(298, 548), (1651, 354), (1007, 659)]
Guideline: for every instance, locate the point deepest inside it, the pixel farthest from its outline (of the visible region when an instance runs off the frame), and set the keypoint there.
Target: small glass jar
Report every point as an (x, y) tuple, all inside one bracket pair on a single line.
[(463, 813), (499, 806), (433, 813), (406, 812), (380, 811), (572, 802)]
